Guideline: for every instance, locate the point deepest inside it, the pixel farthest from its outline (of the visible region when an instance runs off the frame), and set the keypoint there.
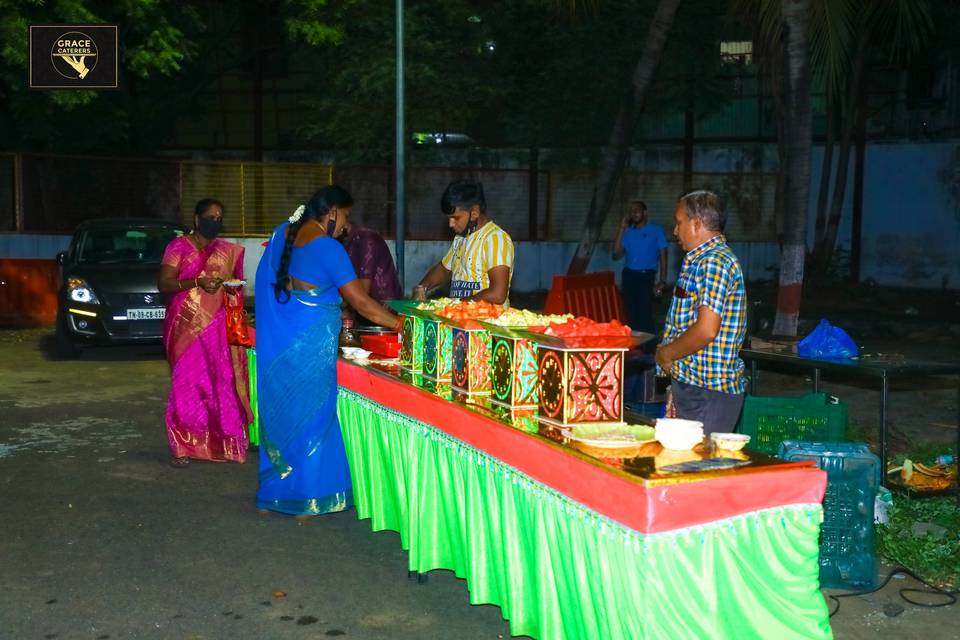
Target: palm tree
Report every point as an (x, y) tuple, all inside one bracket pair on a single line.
[(614, 155), (796, 172), (841, 34), (895, 29)]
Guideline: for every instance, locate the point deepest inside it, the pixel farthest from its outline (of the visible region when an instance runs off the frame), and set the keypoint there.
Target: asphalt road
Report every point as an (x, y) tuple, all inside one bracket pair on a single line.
[(100, 539)]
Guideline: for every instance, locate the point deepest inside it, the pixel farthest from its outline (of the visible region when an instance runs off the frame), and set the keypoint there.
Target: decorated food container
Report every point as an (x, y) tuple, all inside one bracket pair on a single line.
[(411, 343), (437, 349), (513, 367), (411, 337), (471, 359), (580, 380)]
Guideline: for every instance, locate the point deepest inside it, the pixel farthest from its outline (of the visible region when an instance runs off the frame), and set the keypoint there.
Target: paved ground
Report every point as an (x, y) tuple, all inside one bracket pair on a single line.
[(99, 539)]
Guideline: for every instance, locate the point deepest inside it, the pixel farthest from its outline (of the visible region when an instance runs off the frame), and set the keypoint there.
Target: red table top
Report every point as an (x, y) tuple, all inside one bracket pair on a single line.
[(647, 505)]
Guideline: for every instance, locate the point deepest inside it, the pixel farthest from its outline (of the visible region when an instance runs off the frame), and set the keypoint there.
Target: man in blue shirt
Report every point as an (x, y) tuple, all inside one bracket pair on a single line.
[(645, 268)]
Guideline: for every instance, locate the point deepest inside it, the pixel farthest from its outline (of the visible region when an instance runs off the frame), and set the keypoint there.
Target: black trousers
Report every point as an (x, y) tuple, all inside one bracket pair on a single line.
[(637, 288), (716, 410)]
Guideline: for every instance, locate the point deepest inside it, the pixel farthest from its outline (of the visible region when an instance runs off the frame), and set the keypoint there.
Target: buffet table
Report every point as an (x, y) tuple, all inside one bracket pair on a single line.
[(572, 546)]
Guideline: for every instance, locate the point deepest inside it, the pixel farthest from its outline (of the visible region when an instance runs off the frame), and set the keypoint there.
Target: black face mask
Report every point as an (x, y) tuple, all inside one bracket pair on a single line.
[(209, 228), (470, 228)]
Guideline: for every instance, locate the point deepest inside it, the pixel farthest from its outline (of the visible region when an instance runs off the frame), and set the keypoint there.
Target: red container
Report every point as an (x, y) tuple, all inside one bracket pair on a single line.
[(28, 291), (386, 345)]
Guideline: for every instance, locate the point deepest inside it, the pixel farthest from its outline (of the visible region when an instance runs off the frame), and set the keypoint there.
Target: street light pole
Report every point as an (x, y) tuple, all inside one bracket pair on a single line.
[(399, 161)]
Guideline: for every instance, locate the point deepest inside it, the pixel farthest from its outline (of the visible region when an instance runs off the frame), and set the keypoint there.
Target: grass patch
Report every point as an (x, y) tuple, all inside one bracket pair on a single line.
[(859, 432), (936, 559)]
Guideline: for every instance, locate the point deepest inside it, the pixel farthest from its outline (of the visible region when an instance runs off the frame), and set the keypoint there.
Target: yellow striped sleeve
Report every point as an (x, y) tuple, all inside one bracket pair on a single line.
[(447, 260), (499, 250)]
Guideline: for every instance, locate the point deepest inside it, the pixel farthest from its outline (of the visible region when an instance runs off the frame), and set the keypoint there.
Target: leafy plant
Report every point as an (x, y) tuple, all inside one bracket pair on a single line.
[(934, 558)]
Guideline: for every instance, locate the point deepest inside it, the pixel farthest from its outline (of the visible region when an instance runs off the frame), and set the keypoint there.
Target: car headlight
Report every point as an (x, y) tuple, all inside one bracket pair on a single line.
[(79, 291)]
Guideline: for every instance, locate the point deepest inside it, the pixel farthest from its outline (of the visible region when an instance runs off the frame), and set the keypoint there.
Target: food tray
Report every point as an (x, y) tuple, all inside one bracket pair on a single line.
[(373, 330), (517, 333), (583, 343), (610, 436), (386, 345), (403, 306), (642, 449)]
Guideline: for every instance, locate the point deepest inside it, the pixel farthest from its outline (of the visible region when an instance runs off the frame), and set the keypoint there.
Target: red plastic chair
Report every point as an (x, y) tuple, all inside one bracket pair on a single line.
[(594, 295)]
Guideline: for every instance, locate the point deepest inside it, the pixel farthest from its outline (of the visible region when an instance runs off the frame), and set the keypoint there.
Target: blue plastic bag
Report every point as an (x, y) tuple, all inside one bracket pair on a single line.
[(828, 341)]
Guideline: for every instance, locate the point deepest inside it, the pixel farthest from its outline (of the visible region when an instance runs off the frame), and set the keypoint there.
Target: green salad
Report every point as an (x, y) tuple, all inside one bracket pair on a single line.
[(626, 433)]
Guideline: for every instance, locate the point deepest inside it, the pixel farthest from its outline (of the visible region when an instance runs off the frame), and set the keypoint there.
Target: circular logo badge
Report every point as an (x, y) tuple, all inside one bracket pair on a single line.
[(551, 384), (502, 370), (430, 348), (460, 373), (74, 55)]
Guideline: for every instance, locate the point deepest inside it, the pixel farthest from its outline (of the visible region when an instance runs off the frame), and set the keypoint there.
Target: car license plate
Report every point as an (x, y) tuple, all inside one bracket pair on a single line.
[(146, 314)]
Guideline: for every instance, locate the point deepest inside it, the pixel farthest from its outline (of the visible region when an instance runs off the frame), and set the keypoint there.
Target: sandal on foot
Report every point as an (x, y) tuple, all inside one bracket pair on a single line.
[(179, 463)]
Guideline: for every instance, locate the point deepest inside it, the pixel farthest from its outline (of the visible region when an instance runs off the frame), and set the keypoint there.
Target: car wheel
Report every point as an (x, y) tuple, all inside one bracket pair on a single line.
[(64, 345)]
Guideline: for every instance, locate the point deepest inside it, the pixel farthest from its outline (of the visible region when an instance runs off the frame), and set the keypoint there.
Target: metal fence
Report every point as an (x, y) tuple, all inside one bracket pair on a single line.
[(52, 194), (256, 196)]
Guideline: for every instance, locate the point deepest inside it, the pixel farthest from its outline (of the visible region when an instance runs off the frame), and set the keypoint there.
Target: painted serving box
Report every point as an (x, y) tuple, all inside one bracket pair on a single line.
[(470, 350), (513, 367), (437, 349), (411, 343), (580, 380)]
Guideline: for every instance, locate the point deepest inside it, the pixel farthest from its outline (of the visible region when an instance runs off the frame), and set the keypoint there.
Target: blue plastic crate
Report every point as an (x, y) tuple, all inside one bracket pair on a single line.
[(848, 558)]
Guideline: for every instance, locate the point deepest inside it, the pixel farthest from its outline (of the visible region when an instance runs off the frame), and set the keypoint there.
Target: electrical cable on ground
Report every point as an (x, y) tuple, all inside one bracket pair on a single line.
[(932, 589)]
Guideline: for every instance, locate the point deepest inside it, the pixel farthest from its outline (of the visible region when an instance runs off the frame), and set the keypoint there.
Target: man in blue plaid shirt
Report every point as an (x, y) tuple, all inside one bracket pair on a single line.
[(707, 320)]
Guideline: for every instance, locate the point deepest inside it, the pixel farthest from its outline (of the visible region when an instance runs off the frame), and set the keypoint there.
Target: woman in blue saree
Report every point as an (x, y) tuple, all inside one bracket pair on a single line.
[(300, 280)]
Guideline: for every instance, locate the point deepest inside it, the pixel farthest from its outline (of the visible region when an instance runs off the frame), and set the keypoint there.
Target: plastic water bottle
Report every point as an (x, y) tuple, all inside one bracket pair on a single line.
[(880, 506), (348, 338)]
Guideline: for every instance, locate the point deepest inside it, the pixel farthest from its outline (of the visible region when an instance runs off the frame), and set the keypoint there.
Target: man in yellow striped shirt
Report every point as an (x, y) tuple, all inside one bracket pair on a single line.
[(479, 263)]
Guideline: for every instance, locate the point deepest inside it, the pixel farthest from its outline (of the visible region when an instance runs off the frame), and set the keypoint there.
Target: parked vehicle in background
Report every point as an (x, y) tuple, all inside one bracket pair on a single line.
[(108, 290)]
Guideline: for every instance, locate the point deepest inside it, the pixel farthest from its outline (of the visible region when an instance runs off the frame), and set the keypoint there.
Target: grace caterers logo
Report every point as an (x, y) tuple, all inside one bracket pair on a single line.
[(73, 56)]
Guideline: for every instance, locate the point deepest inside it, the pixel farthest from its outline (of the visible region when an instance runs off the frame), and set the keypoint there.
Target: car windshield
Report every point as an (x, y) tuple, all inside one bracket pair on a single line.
[(124, 245)]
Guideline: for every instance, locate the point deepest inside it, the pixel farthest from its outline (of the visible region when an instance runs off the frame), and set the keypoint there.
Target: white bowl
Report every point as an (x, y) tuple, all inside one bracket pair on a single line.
[(355, 353), (679, 439), (730, 441), (677, 434), (679, 423)]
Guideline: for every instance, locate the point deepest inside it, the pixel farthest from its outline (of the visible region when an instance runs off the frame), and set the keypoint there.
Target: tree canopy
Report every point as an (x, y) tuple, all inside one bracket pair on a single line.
[(514, 73)]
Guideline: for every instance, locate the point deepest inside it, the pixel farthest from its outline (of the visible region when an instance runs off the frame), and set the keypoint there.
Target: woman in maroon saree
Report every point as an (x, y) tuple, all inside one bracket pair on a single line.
[(209, 408), (372, 261)]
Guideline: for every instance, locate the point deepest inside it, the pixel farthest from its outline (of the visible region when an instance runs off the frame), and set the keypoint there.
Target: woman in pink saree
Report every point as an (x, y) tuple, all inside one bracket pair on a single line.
[(209, 408)]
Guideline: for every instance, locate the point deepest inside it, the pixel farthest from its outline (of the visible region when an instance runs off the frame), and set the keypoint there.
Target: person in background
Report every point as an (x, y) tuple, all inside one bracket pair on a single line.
[(209, 409), (707, 320), (479, 263), (371, 260), (300, 280), (645, 269)]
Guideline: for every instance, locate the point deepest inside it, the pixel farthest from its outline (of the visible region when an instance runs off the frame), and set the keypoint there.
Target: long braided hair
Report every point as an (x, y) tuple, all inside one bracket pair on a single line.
[(319, 205)]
